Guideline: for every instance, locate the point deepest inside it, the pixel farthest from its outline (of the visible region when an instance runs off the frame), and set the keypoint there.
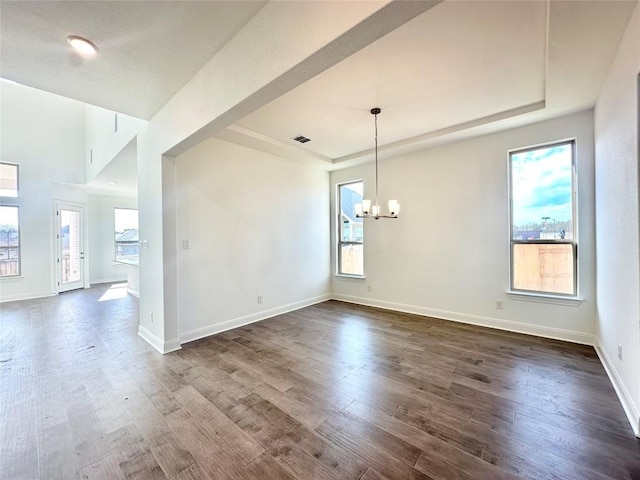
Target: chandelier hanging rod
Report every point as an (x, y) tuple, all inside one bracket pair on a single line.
[(365, 209)]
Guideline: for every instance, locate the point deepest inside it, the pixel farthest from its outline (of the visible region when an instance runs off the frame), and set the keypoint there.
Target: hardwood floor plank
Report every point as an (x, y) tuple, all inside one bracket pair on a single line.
[(89, 439), (203, 411), (448, 429), (372, 474), (298, 462), (310, 414), (343, 464), (205, 444), (105, 469), (374, 456), (172, 456), (194, 472), (56, 458), (266, 467), (133, 455), (331, 391), (439, 458)]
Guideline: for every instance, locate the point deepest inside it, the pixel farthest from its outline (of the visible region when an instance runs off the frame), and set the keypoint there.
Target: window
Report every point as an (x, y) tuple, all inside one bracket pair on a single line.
[(9, 221), (126, 245), (9, 241), (543, 227), (350, 234), (8, 180)]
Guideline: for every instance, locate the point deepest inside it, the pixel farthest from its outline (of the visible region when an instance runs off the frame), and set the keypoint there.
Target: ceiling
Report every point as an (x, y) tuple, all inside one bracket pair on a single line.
[(147, 49), (119, 176), (462, 68)]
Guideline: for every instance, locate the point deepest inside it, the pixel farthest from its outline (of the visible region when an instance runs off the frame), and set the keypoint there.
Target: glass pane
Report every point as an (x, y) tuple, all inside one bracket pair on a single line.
[(544, 267), (350, 194), (70, 243), (9, 226), (542, 204), (351, 259), (8, 180), (126, 235), (9, 261)]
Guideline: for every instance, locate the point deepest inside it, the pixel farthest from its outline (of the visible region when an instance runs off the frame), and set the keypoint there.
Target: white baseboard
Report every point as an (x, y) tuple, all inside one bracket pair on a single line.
[(198, 333), (157, 343), (26, 296), (135, 293), (630, 408), (498, 323), (119, 279)]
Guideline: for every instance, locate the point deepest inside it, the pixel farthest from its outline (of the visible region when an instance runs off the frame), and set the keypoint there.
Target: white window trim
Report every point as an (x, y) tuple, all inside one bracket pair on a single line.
[(17, 197), (547, 297), (525, 296), (15, 204), (339, 242)]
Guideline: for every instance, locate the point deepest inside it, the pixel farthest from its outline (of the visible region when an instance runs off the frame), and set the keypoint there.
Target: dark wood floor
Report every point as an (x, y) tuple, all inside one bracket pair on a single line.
[(330, 391)]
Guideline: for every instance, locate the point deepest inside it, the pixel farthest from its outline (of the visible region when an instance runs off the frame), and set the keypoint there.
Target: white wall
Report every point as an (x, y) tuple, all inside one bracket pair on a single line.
[(256, 66), (448, 253), (257, 225), (101, 237), (102, 141), (616, 133), (44, 134)]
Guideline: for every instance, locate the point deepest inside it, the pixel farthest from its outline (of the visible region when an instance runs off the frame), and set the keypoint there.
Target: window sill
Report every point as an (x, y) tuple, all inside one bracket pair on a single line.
[(541, 298), (343, 276), (12, 278)]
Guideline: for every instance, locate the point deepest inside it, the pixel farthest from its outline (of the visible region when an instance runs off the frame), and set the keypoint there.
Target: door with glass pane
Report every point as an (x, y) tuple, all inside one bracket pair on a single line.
[(69, 247)]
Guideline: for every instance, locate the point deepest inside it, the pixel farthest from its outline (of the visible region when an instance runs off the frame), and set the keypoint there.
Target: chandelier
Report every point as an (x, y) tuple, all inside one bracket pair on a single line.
[(365, 209)]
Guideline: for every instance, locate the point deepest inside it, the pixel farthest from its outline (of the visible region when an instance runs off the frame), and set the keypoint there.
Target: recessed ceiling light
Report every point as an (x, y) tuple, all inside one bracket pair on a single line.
[(83, 46), (113, 183)]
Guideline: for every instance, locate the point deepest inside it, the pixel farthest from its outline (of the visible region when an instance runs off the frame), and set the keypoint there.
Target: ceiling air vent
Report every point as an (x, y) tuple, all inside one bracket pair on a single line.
[(301, 139)]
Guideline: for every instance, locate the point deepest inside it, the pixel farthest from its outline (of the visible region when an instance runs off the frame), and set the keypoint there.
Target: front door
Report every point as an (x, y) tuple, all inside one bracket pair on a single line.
[(69, 247)]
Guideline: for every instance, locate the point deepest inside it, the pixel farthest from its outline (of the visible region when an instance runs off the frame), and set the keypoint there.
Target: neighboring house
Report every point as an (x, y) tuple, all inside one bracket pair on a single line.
[(127, 244), (351, 226)]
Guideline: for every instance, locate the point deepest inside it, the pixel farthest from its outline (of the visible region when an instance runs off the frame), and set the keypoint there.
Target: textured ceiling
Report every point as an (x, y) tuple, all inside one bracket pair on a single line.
[(457, 67), (462, 68), (457, 62), (147, 50)]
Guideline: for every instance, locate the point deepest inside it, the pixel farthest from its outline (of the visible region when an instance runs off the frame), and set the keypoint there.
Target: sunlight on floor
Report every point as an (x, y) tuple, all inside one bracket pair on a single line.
[(116, 291)]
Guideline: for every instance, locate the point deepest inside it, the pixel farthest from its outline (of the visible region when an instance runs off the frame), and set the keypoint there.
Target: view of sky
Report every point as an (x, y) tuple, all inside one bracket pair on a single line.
[(125, 219), (356, 187), (541, 185), (8, 216)]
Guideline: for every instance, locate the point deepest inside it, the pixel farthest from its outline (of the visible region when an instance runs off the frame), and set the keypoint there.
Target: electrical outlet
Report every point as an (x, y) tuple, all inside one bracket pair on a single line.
[(186, 244), (151, 316), (368, 288), (499, 304), (259, 298), (620, 351)]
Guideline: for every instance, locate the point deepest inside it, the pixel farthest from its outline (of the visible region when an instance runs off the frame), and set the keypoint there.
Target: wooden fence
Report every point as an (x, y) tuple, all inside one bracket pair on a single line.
[(543, 267)]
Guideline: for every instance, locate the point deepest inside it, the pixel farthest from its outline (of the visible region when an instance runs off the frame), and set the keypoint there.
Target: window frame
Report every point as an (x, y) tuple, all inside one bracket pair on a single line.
[(17, 195), (552, 241), (339, 241), (14, 202), (115, 245), (19, 246)]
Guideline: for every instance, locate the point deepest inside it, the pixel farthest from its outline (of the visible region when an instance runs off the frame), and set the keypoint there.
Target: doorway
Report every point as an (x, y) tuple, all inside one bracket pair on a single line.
[(69, 222)]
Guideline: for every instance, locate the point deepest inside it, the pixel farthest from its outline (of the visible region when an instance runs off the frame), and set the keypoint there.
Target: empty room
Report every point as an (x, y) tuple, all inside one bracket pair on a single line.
[(319, 239)]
